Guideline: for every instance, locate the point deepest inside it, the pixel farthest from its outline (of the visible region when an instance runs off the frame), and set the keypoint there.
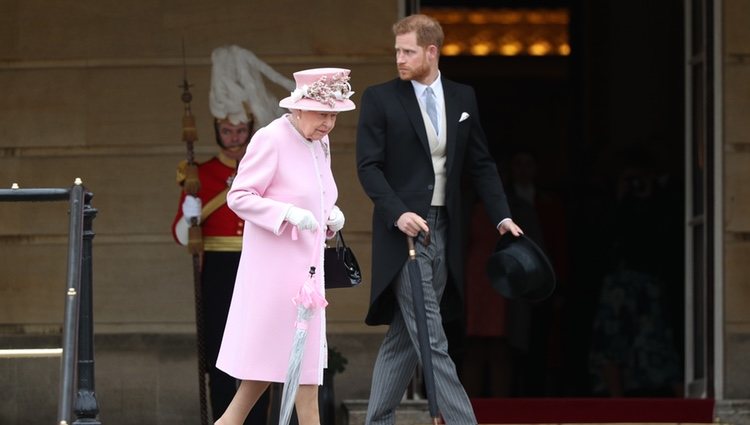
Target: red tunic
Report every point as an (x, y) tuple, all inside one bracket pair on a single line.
[(222, 230)]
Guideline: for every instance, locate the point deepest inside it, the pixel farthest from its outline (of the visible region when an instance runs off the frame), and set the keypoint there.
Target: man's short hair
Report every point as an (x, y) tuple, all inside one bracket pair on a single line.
[(428, 30)]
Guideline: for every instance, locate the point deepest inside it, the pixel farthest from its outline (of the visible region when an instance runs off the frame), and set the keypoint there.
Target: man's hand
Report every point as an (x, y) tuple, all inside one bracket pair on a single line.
[(509, 226), (335, 220), (191, 208), (411, 224), (302, 218)]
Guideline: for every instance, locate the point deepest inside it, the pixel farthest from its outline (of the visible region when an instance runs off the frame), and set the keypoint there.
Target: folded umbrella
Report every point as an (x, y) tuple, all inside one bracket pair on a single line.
[(423, 336), (308, 301)]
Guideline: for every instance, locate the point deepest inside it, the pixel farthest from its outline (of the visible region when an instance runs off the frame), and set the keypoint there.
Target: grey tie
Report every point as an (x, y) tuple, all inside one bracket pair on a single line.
[(431, 105)]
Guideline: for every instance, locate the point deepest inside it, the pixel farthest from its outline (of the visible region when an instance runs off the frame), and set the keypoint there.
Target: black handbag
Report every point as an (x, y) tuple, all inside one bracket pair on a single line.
[(340, 265)]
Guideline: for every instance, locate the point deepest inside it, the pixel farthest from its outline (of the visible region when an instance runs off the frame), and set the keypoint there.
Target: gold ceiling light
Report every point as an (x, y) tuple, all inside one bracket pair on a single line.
[(505, 32), (452, 49)]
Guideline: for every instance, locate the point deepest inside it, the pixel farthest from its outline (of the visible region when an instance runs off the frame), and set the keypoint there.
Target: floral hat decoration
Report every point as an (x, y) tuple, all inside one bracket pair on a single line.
[(321, 89)]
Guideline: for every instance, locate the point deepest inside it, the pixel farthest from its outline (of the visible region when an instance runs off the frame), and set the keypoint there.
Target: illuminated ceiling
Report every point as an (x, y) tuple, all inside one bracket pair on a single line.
[(503, 32)]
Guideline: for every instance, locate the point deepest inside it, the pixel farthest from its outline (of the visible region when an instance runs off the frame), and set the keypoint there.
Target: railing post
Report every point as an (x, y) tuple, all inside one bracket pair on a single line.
[(86, 406), (77, 364), (72, 305)]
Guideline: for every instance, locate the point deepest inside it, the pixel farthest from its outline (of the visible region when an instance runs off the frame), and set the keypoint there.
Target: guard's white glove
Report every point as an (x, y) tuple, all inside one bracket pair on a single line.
[(302, 218), (191, 207), (335, 220)]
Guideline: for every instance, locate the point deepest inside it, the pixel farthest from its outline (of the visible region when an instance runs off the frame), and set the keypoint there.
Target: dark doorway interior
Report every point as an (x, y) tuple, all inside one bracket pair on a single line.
[(605, 127)]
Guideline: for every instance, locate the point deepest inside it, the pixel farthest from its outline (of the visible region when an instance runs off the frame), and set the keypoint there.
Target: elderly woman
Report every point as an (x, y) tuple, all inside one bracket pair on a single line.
[(285, 192)]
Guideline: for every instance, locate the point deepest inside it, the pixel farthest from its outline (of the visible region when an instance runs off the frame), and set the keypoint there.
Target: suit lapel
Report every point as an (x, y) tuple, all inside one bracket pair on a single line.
[(452, 112), (411, 106)]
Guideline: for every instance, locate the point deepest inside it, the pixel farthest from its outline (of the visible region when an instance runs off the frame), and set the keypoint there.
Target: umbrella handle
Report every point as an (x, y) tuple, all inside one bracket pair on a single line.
[(410, 244), (316, 253), (412, 250)]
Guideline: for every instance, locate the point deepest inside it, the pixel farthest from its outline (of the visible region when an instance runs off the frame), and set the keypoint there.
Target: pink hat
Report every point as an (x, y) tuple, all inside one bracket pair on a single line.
[(321, 89)]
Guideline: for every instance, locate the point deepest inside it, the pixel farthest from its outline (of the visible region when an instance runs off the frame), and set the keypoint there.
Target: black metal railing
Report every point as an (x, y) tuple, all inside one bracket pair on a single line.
[(77, 365)]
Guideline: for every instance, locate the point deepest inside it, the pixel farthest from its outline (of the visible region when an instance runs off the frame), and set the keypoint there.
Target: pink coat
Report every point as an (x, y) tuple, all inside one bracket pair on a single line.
[(280, 169)]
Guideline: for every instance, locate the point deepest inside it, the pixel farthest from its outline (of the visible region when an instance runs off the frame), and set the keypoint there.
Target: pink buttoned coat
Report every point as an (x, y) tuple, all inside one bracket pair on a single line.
[(280, 169)]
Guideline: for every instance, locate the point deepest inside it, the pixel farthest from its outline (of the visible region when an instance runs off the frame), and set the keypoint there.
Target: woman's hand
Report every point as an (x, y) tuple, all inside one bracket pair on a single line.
[(302, 218), (335, 220)]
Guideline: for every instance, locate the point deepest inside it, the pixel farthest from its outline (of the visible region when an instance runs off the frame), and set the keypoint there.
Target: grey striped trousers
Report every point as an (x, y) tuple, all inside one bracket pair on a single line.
[(398, 355)]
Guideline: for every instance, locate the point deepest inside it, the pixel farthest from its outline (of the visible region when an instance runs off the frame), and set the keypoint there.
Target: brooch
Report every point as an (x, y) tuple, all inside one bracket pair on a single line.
[(326, 150)]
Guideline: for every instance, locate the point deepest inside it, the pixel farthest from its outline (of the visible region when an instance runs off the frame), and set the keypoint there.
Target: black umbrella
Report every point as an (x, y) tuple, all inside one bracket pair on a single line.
[(423, 335)]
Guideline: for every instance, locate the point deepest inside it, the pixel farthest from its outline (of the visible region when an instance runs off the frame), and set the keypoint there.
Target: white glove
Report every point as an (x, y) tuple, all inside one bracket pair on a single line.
[(302, 218), (335, 220), (191, 207)]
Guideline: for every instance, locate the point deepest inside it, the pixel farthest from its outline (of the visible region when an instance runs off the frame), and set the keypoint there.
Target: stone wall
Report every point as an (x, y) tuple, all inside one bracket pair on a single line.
[(736, 198)]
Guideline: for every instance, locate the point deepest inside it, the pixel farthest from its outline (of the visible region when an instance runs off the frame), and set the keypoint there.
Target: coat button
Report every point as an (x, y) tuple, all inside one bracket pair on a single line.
[(430, 187)]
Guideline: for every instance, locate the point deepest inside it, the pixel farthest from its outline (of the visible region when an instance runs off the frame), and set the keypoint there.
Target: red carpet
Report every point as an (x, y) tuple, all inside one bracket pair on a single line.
[(592, 410)]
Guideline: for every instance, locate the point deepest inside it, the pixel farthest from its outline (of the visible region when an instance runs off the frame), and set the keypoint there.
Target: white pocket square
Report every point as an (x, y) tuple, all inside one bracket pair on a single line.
[(464, 116)]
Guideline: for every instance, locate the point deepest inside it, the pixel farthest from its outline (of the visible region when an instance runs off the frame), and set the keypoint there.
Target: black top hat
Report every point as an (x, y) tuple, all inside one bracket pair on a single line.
[(518, 269)]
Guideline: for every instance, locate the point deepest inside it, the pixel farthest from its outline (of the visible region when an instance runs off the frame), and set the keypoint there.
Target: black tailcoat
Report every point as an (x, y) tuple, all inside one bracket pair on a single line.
[(395, 168)]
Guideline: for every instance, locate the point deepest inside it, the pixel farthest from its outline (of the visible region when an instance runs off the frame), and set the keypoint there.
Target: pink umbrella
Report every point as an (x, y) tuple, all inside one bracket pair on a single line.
[(308, 301)]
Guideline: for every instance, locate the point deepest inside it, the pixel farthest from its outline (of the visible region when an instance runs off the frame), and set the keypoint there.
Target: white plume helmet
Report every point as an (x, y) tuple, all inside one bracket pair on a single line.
[(236, 80)]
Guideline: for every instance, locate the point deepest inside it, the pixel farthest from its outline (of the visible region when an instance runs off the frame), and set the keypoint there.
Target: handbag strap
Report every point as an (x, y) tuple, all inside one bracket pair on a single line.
[(340, 240)]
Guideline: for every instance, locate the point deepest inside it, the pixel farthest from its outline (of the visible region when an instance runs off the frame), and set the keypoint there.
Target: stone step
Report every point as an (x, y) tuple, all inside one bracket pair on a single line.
[(575, 411), (409, 412)]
